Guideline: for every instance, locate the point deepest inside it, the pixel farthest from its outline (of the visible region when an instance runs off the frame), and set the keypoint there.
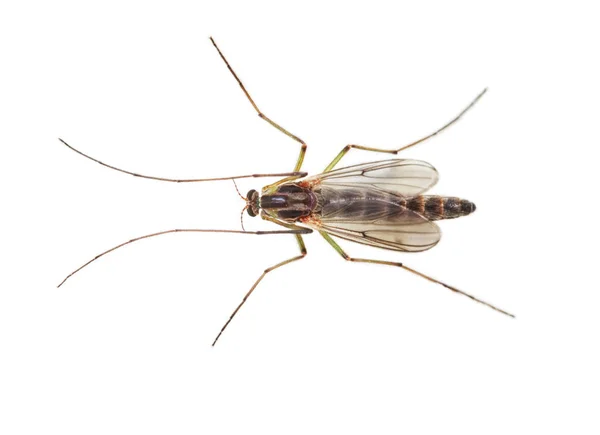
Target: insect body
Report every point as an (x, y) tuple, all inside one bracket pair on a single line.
[(380, 204)]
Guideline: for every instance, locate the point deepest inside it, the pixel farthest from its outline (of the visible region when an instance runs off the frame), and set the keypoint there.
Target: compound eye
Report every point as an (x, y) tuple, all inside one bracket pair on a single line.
[(251, 211), (252, 195)]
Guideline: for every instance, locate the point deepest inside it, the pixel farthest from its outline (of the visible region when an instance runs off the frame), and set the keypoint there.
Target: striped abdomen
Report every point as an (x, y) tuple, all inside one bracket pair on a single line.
[(435, 207), (352, 203)]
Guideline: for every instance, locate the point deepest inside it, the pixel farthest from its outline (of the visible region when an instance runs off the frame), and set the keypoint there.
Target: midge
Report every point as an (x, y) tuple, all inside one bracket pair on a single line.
[(379, 204)]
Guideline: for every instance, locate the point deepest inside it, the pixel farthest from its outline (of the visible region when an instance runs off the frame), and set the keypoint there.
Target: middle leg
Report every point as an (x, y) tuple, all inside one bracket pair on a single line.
[(270, 269)]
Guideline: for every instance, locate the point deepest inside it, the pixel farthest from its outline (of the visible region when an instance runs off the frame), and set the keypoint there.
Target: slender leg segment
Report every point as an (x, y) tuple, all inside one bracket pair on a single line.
[(292, 175), (292, 230), (396, 151), (283, 263), (262, 115), (422, 275)]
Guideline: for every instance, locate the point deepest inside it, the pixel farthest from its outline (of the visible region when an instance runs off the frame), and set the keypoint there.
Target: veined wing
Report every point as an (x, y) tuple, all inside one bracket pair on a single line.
[(372, 217), (404, 177)]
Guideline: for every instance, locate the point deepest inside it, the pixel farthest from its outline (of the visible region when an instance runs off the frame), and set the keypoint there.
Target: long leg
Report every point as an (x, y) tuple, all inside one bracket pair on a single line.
[(422, 275), (263, 116), (396, 151), (293, 230), (292, 175), (283, 263)]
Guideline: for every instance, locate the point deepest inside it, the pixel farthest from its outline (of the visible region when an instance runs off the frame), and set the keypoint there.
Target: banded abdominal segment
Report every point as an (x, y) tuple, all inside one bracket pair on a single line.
[(434, 207)]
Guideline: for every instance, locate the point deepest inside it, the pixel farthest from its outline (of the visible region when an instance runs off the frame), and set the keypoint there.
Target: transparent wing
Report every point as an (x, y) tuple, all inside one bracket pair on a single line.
[(374, 218), (398, 176)]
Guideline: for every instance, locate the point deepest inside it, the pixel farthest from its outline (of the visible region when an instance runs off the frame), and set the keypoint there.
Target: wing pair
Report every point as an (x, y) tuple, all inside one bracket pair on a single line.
[(368, 209)]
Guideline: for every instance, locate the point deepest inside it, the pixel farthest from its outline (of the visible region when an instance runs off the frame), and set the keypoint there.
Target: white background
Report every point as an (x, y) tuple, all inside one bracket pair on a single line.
[(322, 346)]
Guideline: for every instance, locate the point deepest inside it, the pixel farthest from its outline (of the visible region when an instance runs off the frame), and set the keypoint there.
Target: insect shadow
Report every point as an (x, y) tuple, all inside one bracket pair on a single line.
[(381, 204)]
